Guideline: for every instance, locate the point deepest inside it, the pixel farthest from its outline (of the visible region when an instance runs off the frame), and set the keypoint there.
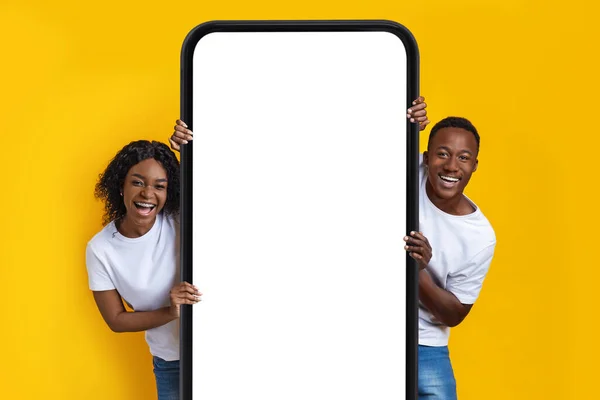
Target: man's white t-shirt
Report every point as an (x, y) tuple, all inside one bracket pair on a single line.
[(462, 250), (143, 270)]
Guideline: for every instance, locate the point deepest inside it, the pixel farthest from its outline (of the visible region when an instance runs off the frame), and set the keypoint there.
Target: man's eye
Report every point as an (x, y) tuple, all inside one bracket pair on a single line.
[(463, 158), (442, 154)]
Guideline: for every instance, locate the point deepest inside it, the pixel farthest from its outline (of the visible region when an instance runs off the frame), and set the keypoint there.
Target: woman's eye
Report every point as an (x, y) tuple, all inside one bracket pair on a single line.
[(138, 183), (159, 187)]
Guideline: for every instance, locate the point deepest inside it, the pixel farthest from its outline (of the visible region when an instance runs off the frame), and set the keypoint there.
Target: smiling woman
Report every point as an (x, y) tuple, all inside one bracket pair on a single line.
[(135, 257), (144, 195)]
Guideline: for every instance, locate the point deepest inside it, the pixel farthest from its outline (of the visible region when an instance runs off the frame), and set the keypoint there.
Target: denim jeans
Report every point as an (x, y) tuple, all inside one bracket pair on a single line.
[(167, 378), (436, 377)]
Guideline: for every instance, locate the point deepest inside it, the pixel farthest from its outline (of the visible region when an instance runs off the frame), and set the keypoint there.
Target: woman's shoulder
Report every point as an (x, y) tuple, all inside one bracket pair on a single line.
[(105, 233), (101, 239)]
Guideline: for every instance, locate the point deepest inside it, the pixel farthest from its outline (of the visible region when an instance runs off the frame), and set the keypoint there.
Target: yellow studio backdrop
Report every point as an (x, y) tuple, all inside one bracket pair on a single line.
[(80, 80)]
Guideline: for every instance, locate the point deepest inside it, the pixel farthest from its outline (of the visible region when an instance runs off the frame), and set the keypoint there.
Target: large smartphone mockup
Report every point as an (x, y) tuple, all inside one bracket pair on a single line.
[(297, 191)]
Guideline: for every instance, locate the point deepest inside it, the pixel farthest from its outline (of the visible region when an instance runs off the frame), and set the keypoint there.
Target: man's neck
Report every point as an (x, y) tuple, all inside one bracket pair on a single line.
[(456, 205)]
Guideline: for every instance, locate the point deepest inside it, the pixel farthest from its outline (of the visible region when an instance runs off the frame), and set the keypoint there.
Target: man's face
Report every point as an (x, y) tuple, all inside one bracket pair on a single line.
[(451, 159)]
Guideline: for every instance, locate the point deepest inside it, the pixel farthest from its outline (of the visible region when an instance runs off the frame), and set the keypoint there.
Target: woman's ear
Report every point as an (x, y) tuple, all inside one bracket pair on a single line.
[(425, 158)]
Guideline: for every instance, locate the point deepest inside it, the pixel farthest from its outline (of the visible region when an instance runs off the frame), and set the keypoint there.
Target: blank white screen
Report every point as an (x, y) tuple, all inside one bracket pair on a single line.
[(299, 209)]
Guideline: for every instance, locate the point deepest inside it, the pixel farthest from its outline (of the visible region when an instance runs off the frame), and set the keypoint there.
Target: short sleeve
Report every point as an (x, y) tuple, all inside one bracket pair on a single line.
[(466, 283), (97, 274)]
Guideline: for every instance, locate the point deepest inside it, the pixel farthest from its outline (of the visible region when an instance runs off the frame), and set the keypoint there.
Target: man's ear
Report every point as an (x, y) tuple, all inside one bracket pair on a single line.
[(476, 164)]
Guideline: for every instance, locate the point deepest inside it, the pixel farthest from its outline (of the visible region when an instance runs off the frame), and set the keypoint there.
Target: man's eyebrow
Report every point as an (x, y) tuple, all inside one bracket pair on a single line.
[(461, 151)]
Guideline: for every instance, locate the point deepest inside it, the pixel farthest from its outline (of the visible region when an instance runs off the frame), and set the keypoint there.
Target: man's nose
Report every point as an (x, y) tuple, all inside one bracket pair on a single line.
[(451, 164)]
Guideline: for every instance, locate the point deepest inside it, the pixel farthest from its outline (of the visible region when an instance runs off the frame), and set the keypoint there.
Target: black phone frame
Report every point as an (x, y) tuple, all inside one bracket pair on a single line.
[(412, 159)]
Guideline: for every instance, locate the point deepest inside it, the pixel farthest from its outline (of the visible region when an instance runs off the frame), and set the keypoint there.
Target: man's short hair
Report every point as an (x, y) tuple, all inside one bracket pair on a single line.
[(454, 122)]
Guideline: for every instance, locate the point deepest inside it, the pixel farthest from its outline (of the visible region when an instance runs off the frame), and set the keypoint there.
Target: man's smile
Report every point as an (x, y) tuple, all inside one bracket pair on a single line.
[(449, 181)]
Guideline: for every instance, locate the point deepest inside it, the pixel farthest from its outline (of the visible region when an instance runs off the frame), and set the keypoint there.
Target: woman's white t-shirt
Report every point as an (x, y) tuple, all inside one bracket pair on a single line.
[(143, 270), (462, 250)]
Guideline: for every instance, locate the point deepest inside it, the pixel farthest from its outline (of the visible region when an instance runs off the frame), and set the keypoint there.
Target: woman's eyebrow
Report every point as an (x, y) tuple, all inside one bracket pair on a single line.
[(144, 178)]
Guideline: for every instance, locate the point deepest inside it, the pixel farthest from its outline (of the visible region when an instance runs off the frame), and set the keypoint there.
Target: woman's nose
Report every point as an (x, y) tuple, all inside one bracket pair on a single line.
[(146, 192)]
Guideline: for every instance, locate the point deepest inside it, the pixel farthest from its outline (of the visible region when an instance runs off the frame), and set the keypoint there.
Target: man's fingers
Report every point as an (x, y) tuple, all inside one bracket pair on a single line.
[(419, 99), (421, 252), (415, 241), (417, 249), (419, 120), (420, 236), (418, 114), (417, 108)]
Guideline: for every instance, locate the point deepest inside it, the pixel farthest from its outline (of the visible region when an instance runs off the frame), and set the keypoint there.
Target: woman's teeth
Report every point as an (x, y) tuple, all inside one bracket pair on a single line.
[(144, 205)]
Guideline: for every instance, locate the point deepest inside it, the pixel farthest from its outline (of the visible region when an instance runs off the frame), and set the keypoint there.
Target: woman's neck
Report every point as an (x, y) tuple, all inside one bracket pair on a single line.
[(130, 228)]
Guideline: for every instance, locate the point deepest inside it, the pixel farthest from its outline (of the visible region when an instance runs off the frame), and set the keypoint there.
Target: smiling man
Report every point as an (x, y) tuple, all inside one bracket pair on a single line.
[(454, 249)]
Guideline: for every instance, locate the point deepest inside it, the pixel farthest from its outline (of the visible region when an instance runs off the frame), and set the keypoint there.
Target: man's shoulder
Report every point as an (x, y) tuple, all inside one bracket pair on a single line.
[(482, 232)]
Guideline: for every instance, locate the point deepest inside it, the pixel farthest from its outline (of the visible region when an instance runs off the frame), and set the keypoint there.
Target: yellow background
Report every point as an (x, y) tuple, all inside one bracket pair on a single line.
[(80, 80)]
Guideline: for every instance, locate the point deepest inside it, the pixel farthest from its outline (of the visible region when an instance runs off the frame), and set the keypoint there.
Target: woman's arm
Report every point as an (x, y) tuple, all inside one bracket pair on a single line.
[(120, 320)]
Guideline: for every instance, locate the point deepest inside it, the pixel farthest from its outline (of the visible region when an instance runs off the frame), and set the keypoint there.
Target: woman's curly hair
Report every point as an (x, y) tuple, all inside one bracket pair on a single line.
[(110, 182)]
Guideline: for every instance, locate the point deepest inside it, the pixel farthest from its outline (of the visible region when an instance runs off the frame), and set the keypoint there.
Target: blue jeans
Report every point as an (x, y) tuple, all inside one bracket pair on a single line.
[(167, 378), (436, 377)]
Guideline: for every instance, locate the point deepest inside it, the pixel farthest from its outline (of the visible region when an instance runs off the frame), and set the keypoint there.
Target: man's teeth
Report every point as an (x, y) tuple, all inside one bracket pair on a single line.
[(449, 178), (146, 205)]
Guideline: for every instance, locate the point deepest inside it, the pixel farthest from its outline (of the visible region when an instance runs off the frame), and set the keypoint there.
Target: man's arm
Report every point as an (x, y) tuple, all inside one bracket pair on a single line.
[(444, 305), (465, 284)]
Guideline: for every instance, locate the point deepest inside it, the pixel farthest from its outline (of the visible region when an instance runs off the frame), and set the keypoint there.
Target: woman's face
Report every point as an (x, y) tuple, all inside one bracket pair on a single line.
[(145, 191)]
